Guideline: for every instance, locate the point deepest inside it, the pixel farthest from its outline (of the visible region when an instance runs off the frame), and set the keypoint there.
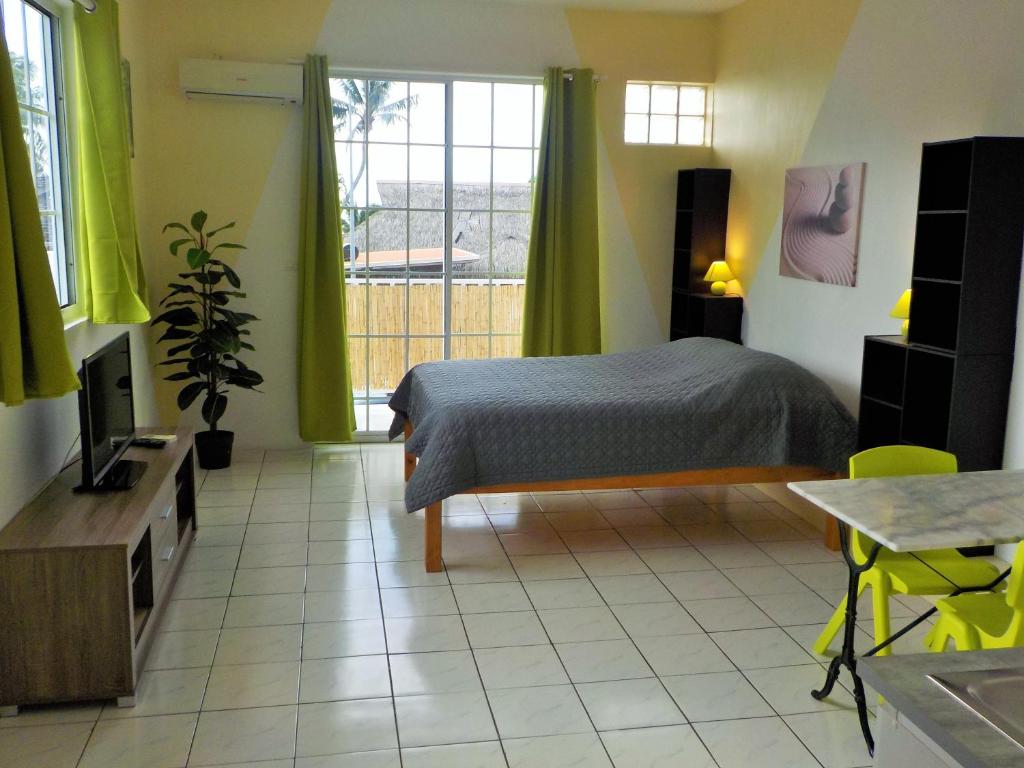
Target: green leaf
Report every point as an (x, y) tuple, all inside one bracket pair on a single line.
[(179, 316), (197, 257), (246, 345), (176, 244), (183, 303), (180, 348), (198, 220), (238, 246), (213, 407), (176, 333), (231, 275), (245, 378), (179, 376), (189, 393), (213, 232), (177, 361), (176, 225)]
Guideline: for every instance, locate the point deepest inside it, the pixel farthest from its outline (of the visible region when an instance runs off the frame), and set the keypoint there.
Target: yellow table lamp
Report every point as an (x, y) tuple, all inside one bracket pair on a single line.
[(718, 274), (902, 311)]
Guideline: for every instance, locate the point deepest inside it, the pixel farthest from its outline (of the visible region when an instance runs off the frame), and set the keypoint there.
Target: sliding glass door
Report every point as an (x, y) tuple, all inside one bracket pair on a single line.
[(435, 177)]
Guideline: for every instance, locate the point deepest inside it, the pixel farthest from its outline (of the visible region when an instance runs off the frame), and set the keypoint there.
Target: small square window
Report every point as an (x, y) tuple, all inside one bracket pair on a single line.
[(665, 113)]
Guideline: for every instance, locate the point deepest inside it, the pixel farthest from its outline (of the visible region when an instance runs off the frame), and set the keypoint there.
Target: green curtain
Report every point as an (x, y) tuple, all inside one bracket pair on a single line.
[(34, 359), (561, 314), (326, 411), (105, 232)]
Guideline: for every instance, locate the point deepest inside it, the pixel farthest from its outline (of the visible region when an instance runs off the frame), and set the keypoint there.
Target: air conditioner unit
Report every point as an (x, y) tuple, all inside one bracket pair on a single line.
[(246, 80)]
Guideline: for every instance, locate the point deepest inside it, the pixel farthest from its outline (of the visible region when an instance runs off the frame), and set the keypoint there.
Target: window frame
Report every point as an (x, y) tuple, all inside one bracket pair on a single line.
[(447, 334), (705, 115), (56, 48)]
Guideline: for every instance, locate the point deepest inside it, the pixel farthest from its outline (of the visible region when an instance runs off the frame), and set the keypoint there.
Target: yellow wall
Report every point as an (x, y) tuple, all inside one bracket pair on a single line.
[(775, 63), (642, 46)]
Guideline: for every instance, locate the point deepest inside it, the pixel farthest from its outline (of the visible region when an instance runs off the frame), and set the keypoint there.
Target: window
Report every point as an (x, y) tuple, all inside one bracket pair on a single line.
[(436, 181), (665, 113), (33, 38)]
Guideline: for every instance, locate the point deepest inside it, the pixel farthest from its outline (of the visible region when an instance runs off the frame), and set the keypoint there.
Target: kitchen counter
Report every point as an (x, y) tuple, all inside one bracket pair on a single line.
[(903, 681)]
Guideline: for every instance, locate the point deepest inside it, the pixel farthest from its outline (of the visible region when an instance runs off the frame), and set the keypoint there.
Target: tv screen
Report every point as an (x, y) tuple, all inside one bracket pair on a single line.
[(106, 409)]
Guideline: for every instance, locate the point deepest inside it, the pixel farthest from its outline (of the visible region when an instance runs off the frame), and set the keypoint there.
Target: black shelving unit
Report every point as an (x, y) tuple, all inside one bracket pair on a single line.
[(947, 385), (702, 213)]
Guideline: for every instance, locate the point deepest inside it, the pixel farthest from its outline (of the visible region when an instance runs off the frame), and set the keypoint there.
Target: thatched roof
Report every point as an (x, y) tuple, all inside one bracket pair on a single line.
[(473, 229)]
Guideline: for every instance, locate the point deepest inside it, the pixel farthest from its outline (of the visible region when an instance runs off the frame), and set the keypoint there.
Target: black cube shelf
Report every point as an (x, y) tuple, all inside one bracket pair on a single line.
[(947, 386)]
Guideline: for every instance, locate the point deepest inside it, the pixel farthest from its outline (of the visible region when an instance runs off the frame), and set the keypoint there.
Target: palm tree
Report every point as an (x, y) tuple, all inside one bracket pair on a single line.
[(365, 103)]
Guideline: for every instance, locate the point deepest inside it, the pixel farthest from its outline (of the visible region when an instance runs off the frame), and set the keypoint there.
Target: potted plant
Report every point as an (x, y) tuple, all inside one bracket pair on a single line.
[(210, 335)]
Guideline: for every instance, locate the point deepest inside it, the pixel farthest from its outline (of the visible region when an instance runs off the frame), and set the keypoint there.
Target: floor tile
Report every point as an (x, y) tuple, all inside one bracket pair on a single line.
[(532, 543), (408, 574), (164, 692), (535, 567), (276, 533), (563, 593), (219, 535), (602, 660), (269, 555), (378, 758), (239, 735), (556, 752), (655, 620), (790, 552), (254, 645), (568, 501), (425, 633), (611, 563), (224, 498), (340, 727), (799, 608), (765, 742), (202, 613), (350, 677), (630, 590), (212, 559), (269, 581), (279, 513), (492, 630), (444, 718), (673, 745), (699, 585), (652, 537), (339, 530), (283, 481), (788, 689), (198, 584), (330, 639), (45, 746), (683, 654), (833, 737), (544, 711), (520, 666), (179, 650), (240, 686), (570, 625), (354, 551), (338, 510), (760, 648), (674, 559), (716, 696), (638, 516), (157, 742), (735, 555), (477, 570), (414, 674), (765, 580), (629, 704), (418, 601), (264, 610), (727, 613), (491, 598), (663, 497), (341, 576), (483, 754), (342, 606), (583, 519)]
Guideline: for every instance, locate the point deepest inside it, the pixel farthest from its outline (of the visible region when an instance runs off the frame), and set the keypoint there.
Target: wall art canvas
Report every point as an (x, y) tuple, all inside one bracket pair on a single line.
[(821, 223)]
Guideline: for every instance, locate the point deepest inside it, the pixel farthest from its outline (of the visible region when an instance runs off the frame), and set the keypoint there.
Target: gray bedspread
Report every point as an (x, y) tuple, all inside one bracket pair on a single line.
[(692, 404)]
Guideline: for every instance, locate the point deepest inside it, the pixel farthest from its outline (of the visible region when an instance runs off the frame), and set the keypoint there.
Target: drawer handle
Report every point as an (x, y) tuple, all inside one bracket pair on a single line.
[(167, 512), (168, 554)]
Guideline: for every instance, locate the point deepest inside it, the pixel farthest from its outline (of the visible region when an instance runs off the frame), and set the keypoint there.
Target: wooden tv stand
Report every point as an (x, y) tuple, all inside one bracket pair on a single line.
[(85, 577)]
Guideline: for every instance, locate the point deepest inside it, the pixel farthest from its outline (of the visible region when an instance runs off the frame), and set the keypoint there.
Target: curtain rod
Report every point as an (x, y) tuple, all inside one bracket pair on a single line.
[(410, 73)]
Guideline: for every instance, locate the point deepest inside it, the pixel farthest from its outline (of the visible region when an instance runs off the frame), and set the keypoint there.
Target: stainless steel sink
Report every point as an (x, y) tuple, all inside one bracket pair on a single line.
[(994, 695)]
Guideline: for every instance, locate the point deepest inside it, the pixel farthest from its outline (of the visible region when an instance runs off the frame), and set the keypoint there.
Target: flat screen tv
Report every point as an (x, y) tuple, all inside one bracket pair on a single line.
[(107, 415)]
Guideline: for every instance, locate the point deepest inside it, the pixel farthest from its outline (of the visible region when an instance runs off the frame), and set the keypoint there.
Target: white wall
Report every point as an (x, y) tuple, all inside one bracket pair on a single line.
[(36, 437), (911, 72)]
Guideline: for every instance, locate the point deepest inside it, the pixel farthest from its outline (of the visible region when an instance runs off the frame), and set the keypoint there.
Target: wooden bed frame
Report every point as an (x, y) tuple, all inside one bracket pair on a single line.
[(723, 476)]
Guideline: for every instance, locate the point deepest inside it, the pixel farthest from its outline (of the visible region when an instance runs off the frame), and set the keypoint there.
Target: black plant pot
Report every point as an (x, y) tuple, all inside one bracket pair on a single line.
[(214, 448)]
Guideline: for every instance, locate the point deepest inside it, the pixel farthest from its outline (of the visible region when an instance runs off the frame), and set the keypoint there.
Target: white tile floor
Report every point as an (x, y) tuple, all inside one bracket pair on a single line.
[(665, 627)]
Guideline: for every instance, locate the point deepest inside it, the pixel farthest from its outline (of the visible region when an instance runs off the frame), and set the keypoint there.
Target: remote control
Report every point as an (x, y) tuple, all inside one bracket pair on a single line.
[(148, 442)]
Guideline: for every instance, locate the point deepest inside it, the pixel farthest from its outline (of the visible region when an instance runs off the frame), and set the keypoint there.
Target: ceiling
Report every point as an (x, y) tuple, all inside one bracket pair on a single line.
[(679, 6)]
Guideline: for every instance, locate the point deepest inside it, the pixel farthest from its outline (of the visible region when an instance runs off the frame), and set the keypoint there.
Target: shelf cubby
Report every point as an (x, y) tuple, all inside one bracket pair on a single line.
[(939, 245), (885, 361), (935, 314), (929, 394), (946, 176)]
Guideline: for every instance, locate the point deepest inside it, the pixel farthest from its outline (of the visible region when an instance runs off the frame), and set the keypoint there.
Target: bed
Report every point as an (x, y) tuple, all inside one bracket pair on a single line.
[(697, 411)]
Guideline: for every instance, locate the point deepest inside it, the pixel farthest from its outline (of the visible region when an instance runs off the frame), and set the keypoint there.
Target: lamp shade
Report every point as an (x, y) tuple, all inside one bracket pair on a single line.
[(719, 272), (901, 310)]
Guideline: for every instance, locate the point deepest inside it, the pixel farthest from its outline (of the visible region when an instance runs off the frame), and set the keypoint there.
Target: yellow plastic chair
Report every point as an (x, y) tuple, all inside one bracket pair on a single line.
[(977, 621), (903, 573)]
